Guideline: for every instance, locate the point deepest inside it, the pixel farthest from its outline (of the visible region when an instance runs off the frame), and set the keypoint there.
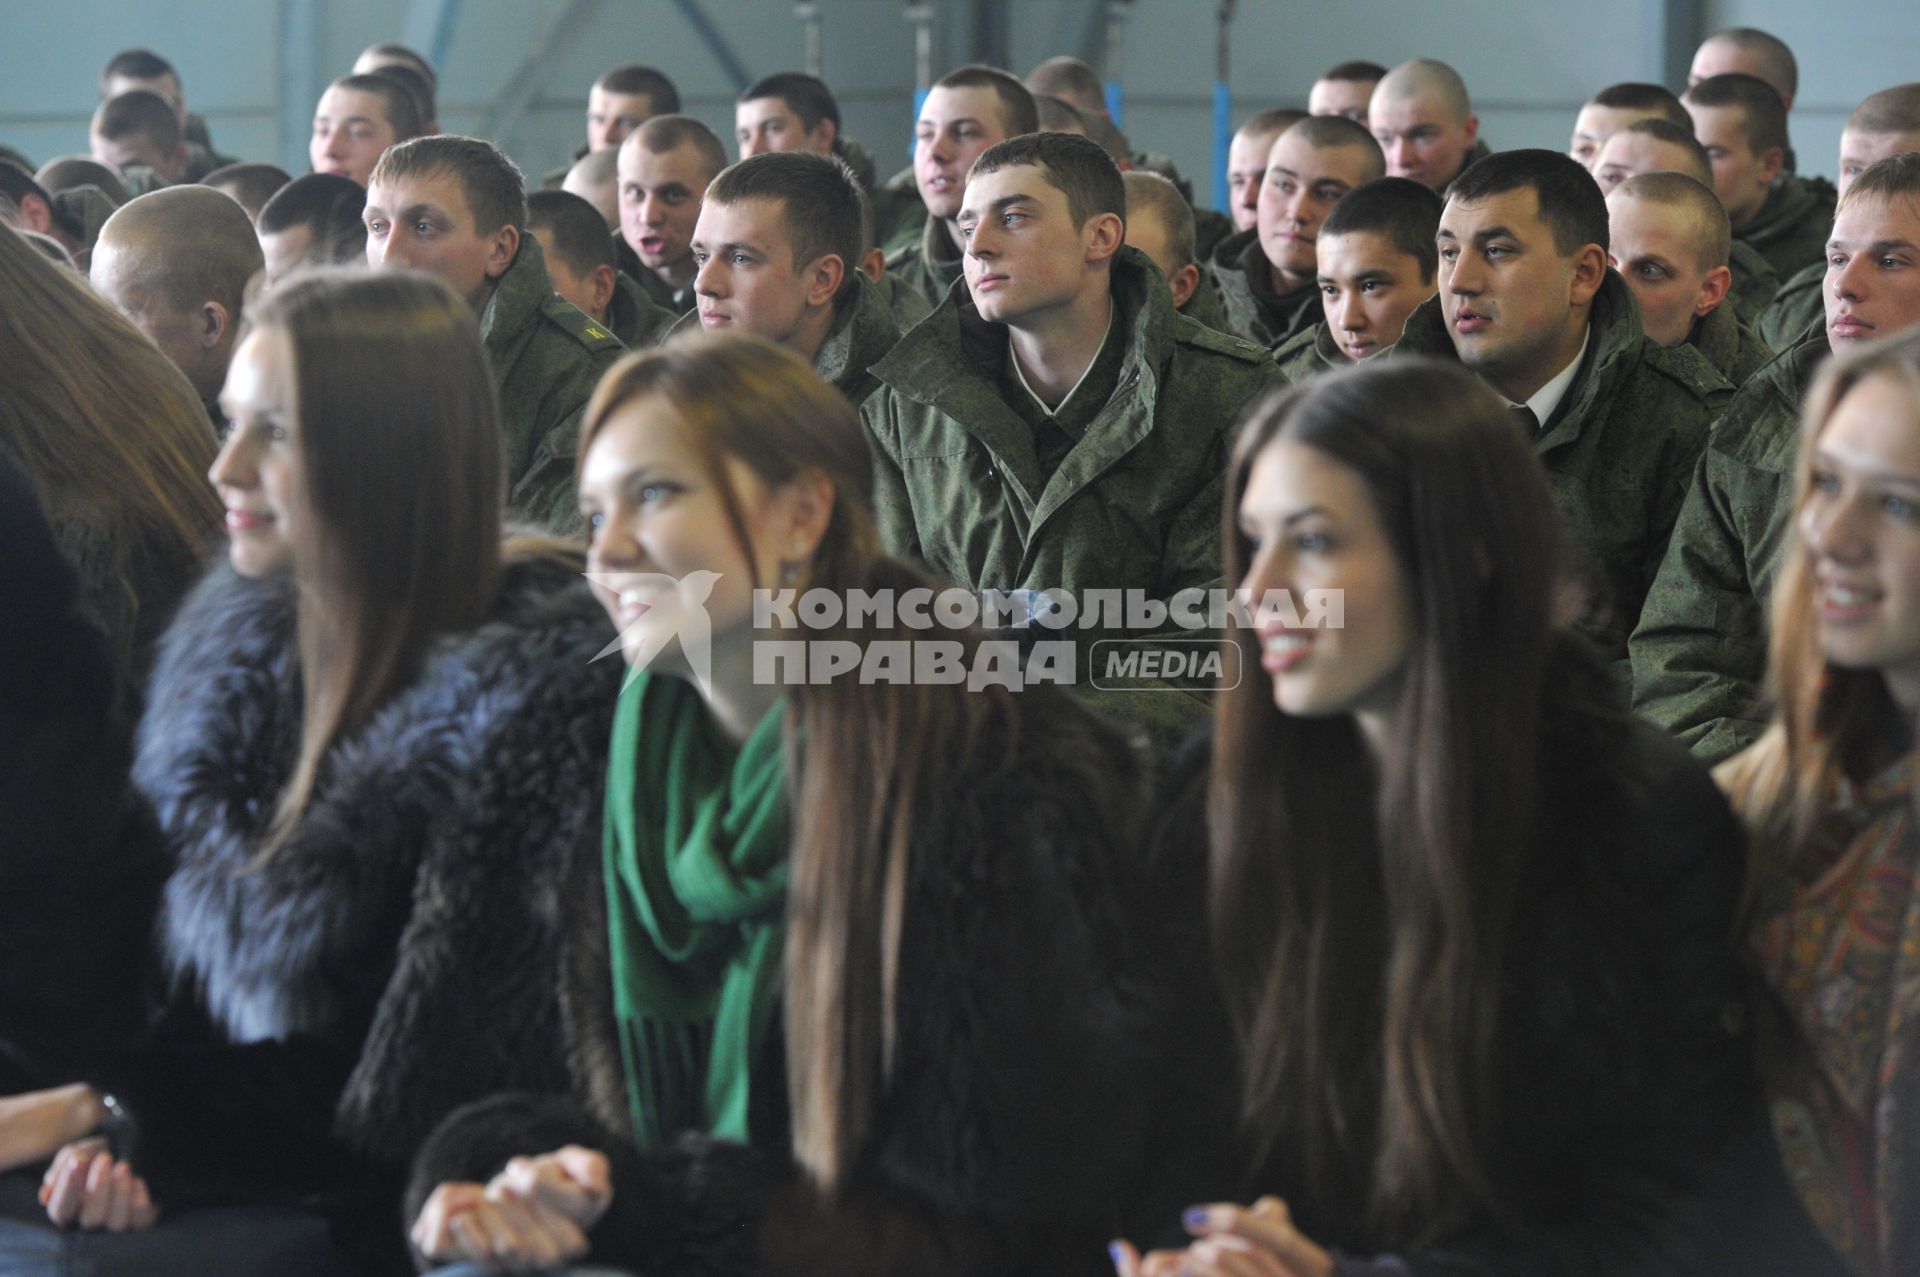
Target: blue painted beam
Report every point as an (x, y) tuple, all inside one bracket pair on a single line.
[(716, 42), (429, 27), (300, 79)]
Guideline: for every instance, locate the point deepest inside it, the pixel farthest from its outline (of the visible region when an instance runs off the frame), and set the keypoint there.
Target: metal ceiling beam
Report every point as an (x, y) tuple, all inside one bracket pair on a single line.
[(299, 57), (716, 42), (524, 84), (1672, 30), (429, 28)]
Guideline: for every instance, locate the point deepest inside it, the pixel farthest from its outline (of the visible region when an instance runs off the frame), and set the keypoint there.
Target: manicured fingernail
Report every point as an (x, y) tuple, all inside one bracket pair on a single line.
[(1196, 1217), (1115, 1253)]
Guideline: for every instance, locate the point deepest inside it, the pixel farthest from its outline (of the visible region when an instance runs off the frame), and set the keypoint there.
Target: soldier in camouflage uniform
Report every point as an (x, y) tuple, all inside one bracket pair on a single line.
[(968, 111), (1671, 242), (546, 353), (1527, 301), (619, 102), (794, 217), (1741, 120), (1420, 115), (664, 167), (1377, 263), (580, 265), (1700, 651), (1160, 224), (1885, 124)]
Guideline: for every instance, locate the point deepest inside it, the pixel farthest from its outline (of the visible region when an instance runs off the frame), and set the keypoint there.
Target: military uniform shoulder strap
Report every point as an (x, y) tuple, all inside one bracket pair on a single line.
[(579, 325), (1189, 331), (1686, 367)]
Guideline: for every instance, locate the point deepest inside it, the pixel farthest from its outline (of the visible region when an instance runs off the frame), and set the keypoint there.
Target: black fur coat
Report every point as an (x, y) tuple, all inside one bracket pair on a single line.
[(1011, 1137), (398, 956)]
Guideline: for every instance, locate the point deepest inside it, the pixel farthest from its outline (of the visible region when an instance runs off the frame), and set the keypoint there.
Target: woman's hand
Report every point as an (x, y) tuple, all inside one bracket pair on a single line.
[(1257, 1241), (533, 1215), (36, 1125), (86, 1187)]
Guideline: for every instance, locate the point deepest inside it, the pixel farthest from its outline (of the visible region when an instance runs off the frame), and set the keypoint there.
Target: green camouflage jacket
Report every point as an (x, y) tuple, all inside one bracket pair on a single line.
[(679, 301), (862, 332), (1205, 306), (909, 307), (1254, 311), (1309, 353), (1134, 505), (930, 264), (1800, 303), (1792, 228), (197, 138), (1755, 281), (1727, 343), (636, 319), (1700, 653), (1619, 451), (897, 210), (547, 357)]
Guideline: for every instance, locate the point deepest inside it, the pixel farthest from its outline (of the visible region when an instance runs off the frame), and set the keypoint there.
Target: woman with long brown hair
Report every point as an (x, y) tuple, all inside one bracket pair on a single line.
[(921, 897), (1828, 794), (371, 736), (1472, 922), (114, 441)]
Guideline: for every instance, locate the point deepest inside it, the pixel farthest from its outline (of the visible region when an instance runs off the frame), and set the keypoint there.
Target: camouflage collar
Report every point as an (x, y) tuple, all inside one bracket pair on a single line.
[(517, 297), (1787, 204)]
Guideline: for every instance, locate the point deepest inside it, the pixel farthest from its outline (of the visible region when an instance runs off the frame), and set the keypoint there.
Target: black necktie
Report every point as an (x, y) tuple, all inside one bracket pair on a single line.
[(1525, 416)]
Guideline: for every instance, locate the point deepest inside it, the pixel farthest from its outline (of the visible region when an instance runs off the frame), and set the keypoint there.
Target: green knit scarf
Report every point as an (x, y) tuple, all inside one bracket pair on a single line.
[(696, 874)]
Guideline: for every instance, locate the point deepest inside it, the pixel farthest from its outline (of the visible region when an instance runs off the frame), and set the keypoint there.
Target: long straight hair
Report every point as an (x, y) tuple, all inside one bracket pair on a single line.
[(1360, 911), (398, 497), (867, 764), (1829, 724), (108, 430)]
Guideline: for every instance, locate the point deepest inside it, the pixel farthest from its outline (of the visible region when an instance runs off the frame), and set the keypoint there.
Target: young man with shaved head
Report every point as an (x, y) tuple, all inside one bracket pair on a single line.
[(456, 208), (1345, 89), (1247, 160), (1699, 655), (1670, 243), (1267, 276), (581, 267), (1614, 108), (1424, 123), (1527, 302), (314, 220), (1885, 124), (619, 102), (1742, 123), (176, 262), (1657, 146), (664, 167), (1747, 51), (144, 69), (1378, 263), (1160, 225), (138, 136), (967, 111)]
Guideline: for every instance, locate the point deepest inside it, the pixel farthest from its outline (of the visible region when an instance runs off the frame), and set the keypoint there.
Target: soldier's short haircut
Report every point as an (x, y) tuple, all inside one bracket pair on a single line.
[(1274, 120), (1896, 177), (1706, 217), (1428, 78), (1072, 164), (1018, 114), (413, 82), (1895, 110), (1156, 198), (390, 53), (16, 184), (1068, 78), (69, 171), (665, 133), (136, 64), (1400, 210), (635, 78), (1105, 134), (570, 229), (1778, 59), (1332, 132), (329, 207), (1634, 96), (1057, 115), (1763, 115), (1699, 167), (492, 184), (1571, 204), (808, 97), (139, 113), (187, 245), (819, 198), (598, 167), (251, 184), (1356, 70), (401, 105)]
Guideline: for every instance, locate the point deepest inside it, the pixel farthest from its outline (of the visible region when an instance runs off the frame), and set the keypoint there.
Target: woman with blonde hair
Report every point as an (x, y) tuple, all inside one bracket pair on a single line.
[(881, 935), (114, 441), (1829, 795), (372, 737)]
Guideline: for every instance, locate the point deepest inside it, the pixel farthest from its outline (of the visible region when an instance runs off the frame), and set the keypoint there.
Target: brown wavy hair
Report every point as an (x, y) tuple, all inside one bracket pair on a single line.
[(876, 757), (1361, 907)]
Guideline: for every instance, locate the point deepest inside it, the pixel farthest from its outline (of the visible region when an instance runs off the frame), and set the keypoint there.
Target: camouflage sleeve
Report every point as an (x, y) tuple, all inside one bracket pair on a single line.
[(545, 494), (1699, 651), (1192, 557), (892, 508)]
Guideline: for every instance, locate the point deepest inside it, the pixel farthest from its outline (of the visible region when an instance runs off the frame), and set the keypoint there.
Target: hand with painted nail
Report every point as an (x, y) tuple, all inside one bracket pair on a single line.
[(88, 1188), (532, 1216), (1255, 1241)]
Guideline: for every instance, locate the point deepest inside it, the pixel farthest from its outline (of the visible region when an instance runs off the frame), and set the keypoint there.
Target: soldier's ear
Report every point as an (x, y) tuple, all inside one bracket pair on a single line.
[(502, 247), (1713, 291), (1105, 233)]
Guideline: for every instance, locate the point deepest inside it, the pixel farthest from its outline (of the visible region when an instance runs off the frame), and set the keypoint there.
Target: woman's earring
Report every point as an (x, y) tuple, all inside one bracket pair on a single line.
[(789, 574)]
